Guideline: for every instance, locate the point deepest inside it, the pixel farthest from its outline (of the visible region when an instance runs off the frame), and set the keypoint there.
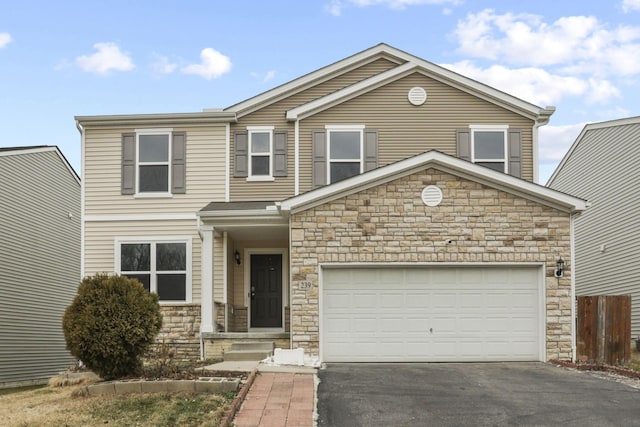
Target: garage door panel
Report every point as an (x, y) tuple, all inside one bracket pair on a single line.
[(443, 300), (431, 314)]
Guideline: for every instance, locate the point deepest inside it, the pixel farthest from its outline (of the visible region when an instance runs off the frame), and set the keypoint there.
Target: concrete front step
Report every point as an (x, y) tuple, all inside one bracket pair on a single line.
[(243, 351), (255, 346)]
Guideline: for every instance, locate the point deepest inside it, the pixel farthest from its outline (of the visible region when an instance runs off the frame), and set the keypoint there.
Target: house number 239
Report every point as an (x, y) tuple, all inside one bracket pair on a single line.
[(305, 284)]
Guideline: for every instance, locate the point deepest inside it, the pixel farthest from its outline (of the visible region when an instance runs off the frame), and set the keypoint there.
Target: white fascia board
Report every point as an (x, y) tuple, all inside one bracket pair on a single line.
[(20, 150), (349, 92), (239, 213), (443, 162), (170, 119)]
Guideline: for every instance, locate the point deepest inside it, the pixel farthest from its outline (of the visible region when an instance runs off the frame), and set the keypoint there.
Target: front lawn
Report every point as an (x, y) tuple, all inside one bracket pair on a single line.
[(64, 406)]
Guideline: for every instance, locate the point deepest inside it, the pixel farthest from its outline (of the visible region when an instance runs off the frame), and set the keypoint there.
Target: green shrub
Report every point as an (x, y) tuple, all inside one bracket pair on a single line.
[(110, 324)]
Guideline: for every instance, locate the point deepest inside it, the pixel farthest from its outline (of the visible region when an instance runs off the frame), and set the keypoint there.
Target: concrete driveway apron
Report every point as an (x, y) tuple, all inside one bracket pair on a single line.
[(472, 394)]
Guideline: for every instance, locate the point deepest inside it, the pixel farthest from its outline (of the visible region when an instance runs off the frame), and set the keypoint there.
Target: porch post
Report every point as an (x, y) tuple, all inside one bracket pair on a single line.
[(206, 279)]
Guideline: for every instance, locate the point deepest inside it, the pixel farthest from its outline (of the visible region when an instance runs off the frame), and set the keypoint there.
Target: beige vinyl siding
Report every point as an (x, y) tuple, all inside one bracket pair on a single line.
[(274, 115), (100, 244), (39, 264), (603, 168), (206, 150), (405, 130)]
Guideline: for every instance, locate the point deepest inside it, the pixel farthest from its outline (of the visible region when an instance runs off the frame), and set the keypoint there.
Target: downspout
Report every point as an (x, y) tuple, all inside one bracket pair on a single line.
[(227, 167), (82, 197), (573, 287), (296, 143), (542, 120)]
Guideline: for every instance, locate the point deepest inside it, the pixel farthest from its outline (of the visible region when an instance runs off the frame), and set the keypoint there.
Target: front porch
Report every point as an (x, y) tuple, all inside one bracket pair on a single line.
[(245, 276)]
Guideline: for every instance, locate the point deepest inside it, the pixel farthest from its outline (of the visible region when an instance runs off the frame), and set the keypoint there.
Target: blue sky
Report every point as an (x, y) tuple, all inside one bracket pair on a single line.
[(61, 59)]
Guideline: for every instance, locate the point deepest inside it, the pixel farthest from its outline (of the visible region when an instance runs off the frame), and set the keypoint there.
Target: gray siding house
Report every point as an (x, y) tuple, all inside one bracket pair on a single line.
[(39, 261), (603, 166)]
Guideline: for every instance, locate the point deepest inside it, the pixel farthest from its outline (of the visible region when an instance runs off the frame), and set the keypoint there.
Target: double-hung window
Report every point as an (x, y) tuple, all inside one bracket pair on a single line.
[(260, 152), (162, 266), (489, 146), (153, 151), (344, 145)]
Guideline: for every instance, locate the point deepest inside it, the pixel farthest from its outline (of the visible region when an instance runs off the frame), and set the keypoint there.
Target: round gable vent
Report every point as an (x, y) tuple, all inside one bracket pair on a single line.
[(431, 195), (417, 95)]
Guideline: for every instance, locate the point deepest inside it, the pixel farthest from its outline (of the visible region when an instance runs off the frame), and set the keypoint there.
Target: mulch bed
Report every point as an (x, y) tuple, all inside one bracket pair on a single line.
[(583, 366)]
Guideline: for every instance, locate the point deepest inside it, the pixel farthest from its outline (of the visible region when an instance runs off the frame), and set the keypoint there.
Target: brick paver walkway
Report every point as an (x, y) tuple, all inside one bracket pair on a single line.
[(278, 400)]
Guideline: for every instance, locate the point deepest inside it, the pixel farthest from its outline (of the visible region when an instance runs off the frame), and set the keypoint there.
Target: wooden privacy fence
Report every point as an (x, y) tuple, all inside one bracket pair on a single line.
[(604, 329)]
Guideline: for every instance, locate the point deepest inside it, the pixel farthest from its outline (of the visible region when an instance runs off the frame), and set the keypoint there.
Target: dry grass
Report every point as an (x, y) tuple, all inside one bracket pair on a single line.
[(61, 405)]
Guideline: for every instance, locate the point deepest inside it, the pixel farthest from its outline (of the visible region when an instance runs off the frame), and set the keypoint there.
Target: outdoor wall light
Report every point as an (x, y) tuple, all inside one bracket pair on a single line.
[(559, 268), (236, 256)]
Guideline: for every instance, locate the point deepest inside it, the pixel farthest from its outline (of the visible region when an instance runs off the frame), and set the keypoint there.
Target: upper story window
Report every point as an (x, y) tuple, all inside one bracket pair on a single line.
[(162, 266), (342, 151), (153, 163), (345, 152), (260, 153), (489, 147)]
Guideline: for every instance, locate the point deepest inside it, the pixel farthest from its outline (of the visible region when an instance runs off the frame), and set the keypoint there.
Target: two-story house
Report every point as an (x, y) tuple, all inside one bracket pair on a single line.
[(381, 208)]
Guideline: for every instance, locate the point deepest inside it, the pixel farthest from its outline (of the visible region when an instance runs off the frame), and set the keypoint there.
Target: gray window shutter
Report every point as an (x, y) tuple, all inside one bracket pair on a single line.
[(319, 158), (128, 163), (178, 163), (241, 154), (463, 144), (370, 149), (280, 153), (515, 152)]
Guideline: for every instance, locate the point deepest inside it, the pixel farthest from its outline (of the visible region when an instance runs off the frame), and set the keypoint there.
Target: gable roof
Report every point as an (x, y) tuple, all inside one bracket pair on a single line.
[(445, 163), (15, 151), (406, 63), (610, 124)]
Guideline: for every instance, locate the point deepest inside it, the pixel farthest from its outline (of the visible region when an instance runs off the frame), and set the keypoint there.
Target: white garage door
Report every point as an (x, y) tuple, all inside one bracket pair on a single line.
[(431, 314)]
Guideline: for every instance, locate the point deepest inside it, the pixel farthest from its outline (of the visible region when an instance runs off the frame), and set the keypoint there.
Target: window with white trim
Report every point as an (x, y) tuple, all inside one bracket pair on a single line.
[(162, 266), (344, 148), (153, 155), (489, 147), (260, 152)]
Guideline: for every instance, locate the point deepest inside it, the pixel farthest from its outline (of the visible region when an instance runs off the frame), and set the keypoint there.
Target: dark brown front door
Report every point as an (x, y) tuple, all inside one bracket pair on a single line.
[(266, 291)]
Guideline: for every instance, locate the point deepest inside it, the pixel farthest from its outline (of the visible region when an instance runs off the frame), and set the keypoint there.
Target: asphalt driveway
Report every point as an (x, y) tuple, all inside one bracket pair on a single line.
[(471, 394)]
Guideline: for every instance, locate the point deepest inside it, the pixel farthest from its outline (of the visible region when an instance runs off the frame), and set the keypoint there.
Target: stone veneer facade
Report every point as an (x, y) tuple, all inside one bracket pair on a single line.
[(389, 223), (181, 330)]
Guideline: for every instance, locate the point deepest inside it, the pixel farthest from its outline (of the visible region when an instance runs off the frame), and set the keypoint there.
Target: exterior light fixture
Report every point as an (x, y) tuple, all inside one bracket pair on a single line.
[(559, 268), (236, 256)]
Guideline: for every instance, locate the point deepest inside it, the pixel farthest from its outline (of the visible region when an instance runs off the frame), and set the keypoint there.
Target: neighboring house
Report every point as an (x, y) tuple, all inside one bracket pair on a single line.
[(39, 261), (381, 208), (603, 166)]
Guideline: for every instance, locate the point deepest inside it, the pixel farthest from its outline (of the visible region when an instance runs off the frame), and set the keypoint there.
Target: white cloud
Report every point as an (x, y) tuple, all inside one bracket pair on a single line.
[(581, 43), (334, 8), (5, 39), (270, 75), (107, 58), (554, 141), (213, 65), (162, 65), (536, 85), (629, 5), (401, 4)]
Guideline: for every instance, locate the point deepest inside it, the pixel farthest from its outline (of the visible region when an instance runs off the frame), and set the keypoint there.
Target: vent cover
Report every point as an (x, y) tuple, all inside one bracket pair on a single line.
[(431, 195), (417, 95)]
